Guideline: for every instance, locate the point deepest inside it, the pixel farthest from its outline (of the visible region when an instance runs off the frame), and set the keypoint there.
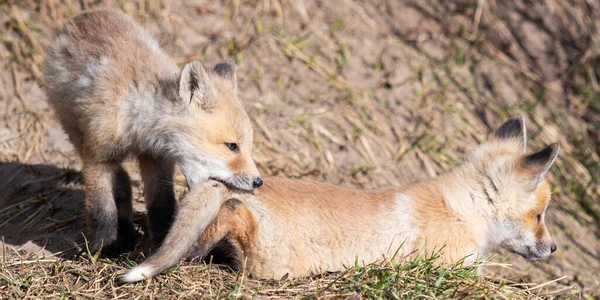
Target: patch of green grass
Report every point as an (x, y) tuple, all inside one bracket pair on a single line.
[(238, 57), (259, 26), (356, 170), (302, 119), (439, 152), (375, 281), (379, 63), (419, 139), (311, 61), (356, 132), (337, 24), (301, 42), (344, 55), (423, 277), (464, 6), (459, 59), (527, 105)]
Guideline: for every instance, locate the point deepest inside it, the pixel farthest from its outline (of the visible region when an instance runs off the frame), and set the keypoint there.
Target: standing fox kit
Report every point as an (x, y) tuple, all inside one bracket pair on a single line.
[(117, 94), (497, 197)]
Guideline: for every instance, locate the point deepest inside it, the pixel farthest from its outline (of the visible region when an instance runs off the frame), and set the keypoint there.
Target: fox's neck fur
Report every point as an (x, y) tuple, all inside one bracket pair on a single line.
[(454, 212)]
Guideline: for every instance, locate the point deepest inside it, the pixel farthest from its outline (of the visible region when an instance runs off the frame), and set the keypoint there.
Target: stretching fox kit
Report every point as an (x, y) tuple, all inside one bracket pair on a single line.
[(117, 94), (497, 197)]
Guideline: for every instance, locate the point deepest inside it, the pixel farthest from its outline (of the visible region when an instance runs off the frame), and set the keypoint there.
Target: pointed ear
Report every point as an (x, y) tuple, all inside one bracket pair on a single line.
[(195, 86), (514, 130), (226, 69), (537, 164)]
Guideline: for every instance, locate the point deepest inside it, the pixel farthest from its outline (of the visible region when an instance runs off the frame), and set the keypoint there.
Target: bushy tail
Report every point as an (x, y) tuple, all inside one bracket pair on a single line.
[(195, 212)]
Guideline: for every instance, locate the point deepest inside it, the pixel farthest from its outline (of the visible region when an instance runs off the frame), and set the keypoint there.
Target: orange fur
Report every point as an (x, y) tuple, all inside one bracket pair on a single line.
[(300, 227), (531, 222), (440, 228)]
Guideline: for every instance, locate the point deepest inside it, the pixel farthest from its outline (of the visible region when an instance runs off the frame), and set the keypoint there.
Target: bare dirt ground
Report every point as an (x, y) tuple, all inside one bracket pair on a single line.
[(358, 93)]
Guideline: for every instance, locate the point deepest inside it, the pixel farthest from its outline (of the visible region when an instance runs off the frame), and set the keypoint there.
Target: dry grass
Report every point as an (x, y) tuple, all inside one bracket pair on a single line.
[(88, 277), (364, 94)]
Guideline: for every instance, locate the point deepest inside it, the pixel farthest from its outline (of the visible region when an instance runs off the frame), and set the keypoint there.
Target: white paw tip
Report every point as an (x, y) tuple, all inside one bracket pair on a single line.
[(136, 274)]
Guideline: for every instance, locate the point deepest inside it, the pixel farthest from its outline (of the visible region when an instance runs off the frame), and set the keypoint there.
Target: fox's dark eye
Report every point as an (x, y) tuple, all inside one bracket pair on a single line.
[(233, 147), (539, 218)]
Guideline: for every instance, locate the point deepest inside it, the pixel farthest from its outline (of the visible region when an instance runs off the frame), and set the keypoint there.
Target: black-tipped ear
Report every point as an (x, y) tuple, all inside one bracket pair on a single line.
[(514, 130), (195, 86), (226, 69), (540, 162)]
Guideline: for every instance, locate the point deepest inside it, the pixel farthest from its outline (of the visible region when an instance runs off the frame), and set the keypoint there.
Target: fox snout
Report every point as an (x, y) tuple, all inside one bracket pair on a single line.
[(539, 251), (245, 175), (532, 245), (243, 181), (532, 249)]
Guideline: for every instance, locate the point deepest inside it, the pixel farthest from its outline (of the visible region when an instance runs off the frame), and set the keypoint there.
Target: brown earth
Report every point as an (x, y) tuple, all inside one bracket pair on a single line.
[(358, 93)]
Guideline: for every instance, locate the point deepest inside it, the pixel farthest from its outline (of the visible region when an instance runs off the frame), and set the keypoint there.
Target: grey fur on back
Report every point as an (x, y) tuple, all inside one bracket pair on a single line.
[(95, 60)]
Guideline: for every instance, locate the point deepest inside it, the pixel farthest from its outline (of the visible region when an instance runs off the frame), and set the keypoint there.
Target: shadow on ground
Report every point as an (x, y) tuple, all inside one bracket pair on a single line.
[(43, 211)]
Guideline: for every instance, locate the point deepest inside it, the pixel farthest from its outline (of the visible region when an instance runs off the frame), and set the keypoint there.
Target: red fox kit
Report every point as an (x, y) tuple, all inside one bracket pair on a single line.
[(497, 197), (117, 94)]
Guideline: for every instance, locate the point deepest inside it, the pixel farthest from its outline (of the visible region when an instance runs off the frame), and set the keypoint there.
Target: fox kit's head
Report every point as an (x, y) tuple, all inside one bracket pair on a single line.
[(512, 181), (217, 127)]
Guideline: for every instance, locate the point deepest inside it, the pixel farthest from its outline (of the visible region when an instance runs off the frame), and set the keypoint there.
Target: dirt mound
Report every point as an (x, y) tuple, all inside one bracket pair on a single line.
[(357, 93)]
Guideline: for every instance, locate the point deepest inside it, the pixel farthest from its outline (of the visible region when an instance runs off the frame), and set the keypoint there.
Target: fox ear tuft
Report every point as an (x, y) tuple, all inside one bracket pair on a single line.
[(514, 130), (195, 86), (226, 69), (540, 162)]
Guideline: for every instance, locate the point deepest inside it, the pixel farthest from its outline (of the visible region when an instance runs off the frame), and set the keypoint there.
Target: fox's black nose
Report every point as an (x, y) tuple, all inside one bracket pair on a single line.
[(257, 182), (553, 247)]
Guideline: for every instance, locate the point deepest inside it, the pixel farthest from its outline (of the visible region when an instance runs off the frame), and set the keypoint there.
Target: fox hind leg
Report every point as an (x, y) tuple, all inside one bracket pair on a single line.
[(126, 233), (160, 198)]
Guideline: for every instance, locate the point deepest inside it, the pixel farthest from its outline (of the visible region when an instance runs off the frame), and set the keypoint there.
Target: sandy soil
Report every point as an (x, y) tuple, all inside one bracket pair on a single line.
[(358, 93)]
